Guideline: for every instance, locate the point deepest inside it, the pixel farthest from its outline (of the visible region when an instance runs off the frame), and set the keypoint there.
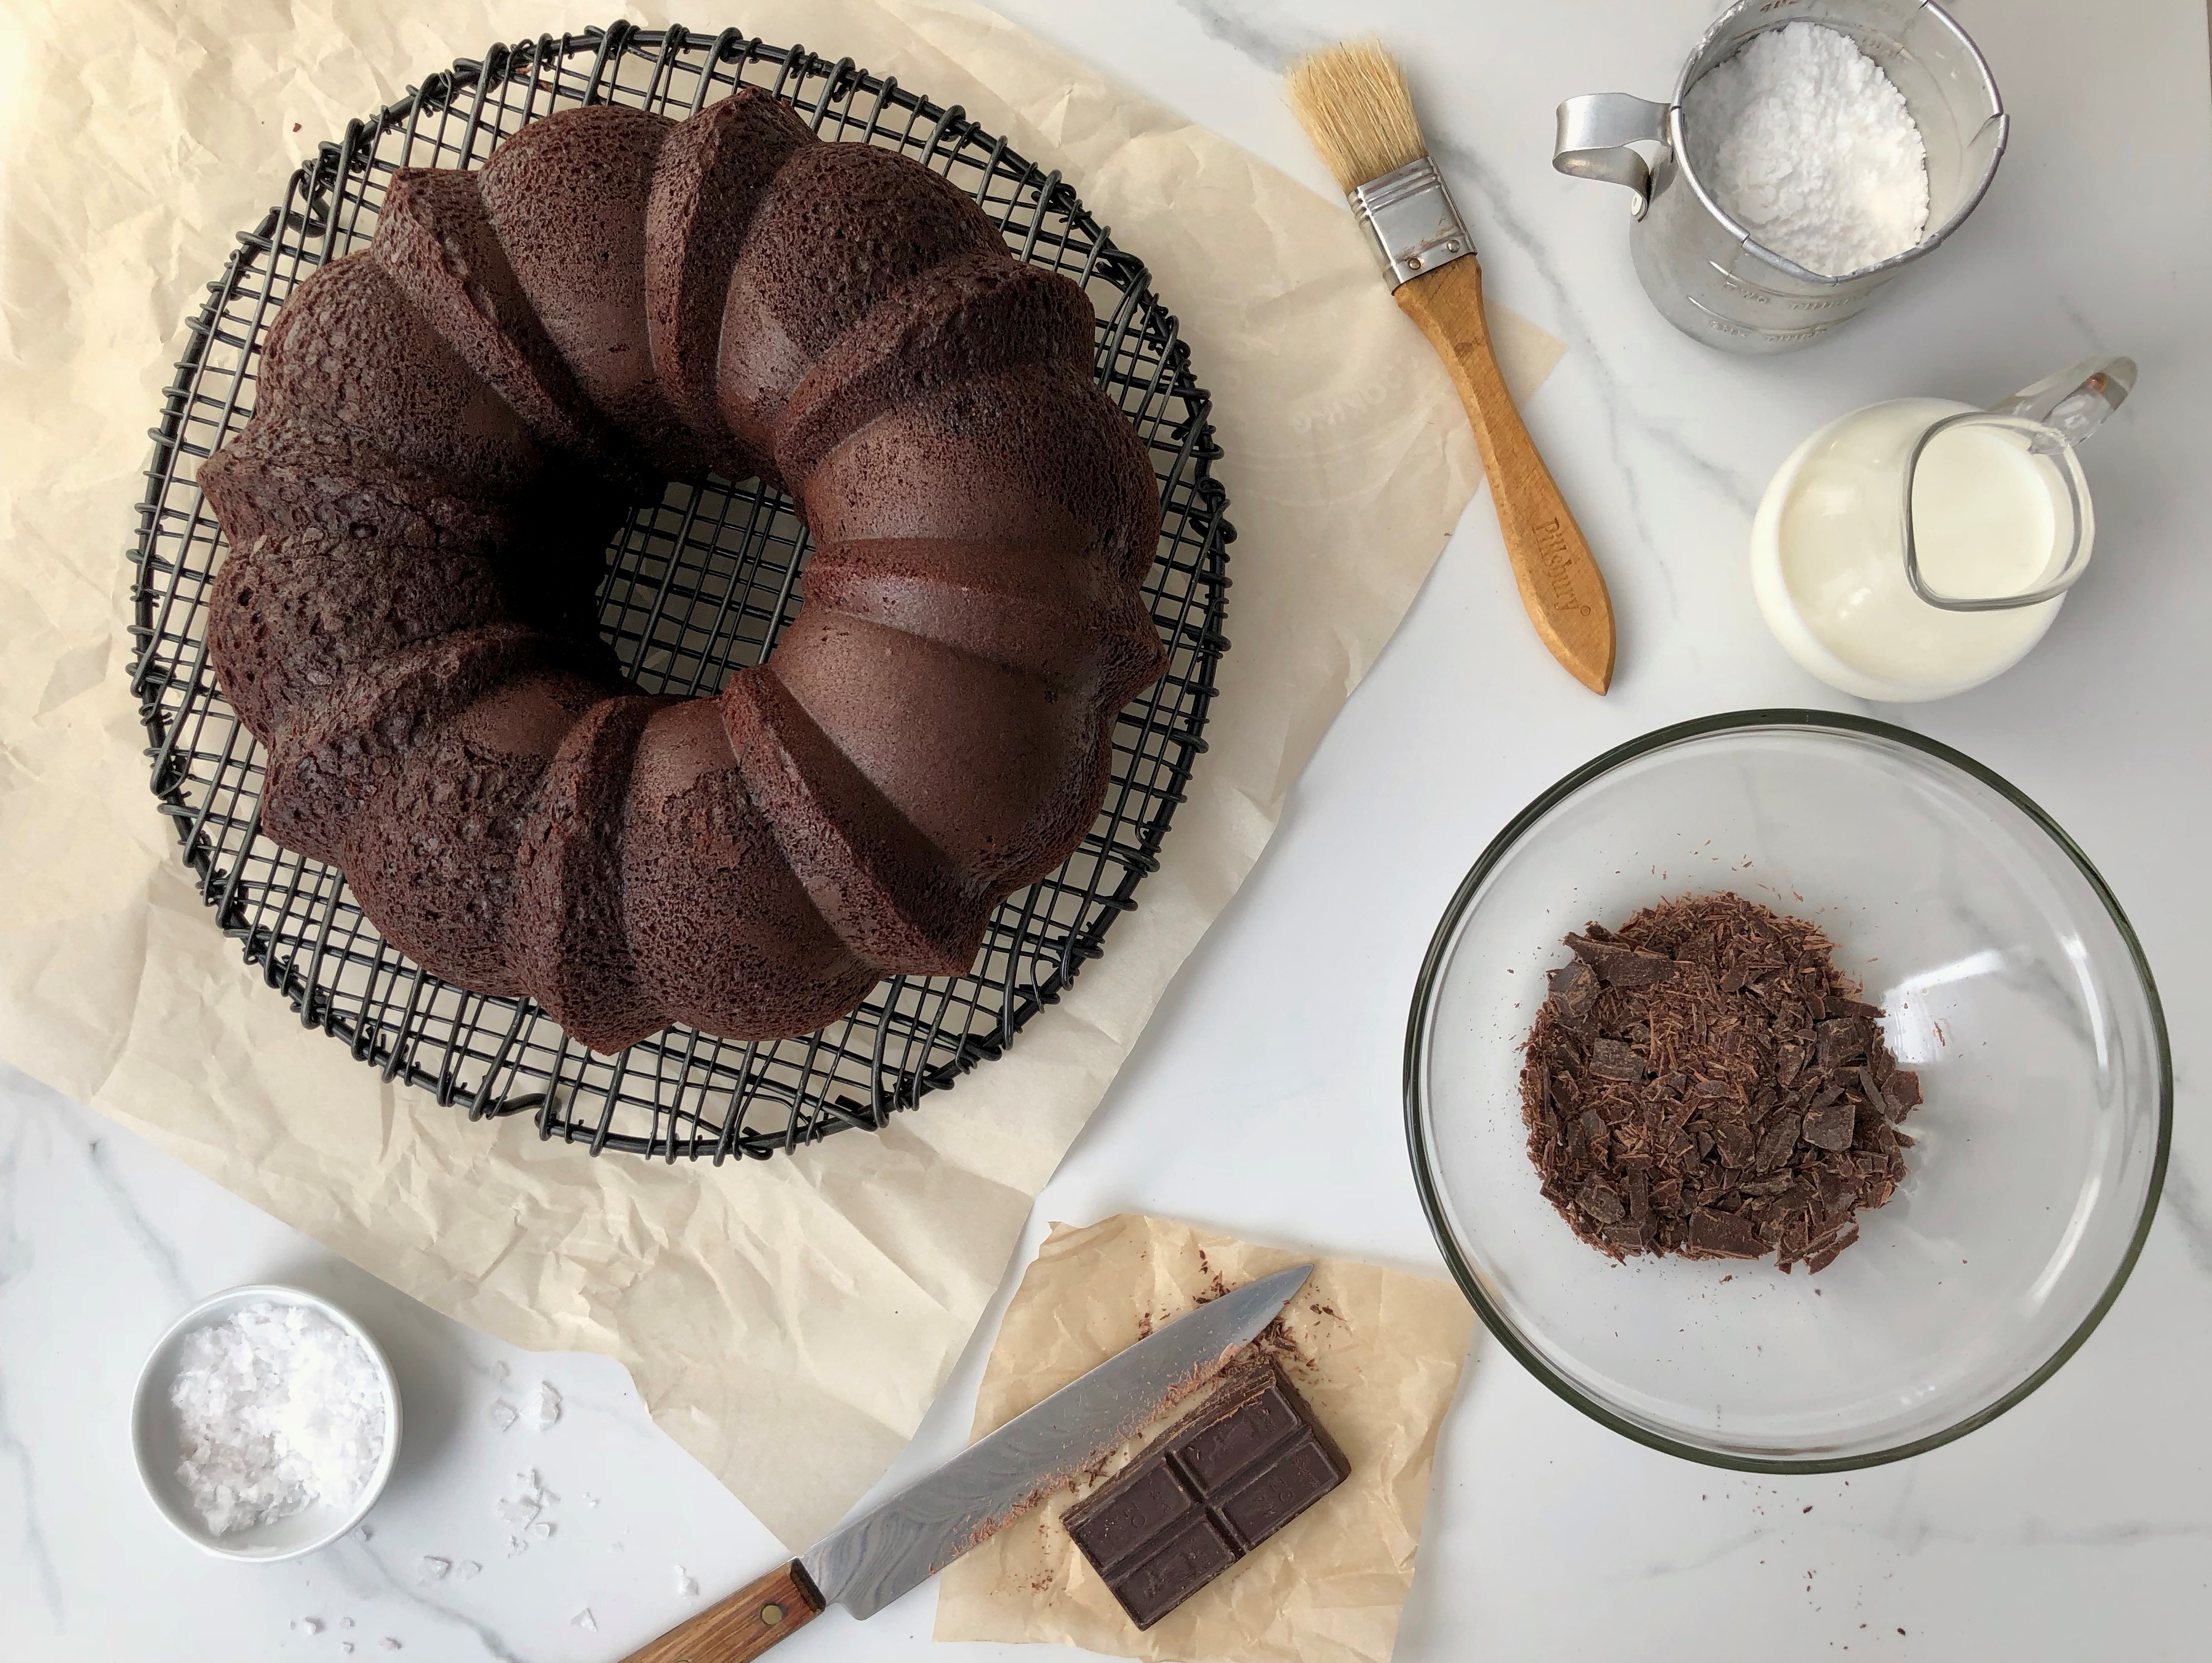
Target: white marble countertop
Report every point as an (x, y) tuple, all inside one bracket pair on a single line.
[(2078, 1525)]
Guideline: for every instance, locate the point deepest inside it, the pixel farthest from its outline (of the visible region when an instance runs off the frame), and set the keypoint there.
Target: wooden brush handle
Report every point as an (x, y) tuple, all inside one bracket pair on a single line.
[(744, 1625), (1559, 582)]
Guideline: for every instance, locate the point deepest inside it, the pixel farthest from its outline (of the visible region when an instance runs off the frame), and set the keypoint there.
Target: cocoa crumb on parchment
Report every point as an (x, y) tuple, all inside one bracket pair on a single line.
[(1703, 1080)]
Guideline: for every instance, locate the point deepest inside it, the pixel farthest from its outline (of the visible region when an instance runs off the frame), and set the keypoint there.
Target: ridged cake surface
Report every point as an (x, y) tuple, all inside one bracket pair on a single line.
[(449, 425)]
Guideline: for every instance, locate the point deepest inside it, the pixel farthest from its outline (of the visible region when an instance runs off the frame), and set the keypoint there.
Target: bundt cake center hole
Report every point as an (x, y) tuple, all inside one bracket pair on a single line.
[(699, 582)]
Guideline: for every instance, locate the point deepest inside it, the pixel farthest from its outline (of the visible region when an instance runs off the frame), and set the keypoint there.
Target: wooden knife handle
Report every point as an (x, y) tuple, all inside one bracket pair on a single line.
[(1560, 584), (744, 1625)]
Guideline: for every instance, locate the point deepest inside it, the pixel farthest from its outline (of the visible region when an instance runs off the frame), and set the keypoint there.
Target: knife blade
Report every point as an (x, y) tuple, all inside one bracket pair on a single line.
[(870, 1561)]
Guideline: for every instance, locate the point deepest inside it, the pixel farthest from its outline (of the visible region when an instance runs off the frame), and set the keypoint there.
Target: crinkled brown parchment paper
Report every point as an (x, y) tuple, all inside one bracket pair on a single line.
[(1375, 1353), (787, 1322)]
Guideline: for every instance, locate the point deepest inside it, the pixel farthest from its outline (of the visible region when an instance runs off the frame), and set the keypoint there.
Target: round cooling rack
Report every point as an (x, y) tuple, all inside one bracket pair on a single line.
[(697, 584)]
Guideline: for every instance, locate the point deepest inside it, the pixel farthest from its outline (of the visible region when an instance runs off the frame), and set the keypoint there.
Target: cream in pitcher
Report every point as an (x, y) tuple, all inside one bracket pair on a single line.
[(1915, 549)]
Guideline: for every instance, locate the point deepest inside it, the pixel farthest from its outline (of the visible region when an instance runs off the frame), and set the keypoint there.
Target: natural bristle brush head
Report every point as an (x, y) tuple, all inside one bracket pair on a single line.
[(1352, 100)]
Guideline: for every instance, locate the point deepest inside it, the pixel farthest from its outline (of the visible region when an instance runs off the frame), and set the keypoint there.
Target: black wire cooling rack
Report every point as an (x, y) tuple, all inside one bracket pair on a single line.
[(697, 584)]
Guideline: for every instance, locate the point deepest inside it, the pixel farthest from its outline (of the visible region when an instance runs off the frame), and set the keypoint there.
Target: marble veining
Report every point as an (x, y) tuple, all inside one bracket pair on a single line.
[(1271, 44), (17, 1258), (2183, 1208), (1247, 33), (2075, 1524), (372, 1580), (160, 1254), (125, 1240)]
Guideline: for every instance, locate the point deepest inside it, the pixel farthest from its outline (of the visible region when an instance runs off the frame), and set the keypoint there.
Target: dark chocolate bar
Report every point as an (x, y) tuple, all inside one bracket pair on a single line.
[(1225, 1479)]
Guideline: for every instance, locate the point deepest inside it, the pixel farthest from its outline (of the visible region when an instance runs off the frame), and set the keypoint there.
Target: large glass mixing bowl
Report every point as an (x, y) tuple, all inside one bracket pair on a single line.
[(2012, 982)]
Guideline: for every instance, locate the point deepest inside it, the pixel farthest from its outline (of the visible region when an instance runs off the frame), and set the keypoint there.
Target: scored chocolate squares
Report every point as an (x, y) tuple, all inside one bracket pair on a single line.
[(1229, 1475), (1703, 1080)]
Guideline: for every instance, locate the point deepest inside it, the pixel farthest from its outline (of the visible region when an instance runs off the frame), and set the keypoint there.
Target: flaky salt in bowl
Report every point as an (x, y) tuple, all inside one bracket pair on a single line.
[(265, 1423)]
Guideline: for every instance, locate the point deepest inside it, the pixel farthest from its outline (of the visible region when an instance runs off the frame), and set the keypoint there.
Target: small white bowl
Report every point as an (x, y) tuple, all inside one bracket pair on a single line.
[(153, 1437)]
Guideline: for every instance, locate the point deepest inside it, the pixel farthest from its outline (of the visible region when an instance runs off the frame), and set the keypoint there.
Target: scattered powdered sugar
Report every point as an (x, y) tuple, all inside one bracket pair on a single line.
[(277, 1408), (1809, 145), (541, 1408), (686, 1584)]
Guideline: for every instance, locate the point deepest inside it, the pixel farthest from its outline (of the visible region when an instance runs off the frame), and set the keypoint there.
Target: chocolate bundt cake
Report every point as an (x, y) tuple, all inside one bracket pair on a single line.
[(450, 424)]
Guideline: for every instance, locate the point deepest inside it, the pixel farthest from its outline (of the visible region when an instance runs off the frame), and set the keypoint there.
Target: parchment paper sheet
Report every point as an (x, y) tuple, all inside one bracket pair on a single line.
[(1376, 1354), (839, 1286)]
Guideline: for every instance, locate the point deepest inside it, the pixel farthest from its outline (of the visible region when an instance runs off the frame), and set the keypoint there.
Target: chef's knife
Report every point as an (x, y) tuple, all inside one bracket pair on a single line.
[(869, 1562)]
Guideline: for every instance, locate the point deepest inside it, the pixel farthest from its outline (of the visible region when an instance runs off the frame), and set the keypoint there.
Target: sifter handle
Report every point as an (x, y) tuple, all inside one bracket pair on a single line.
[(1594, 135)]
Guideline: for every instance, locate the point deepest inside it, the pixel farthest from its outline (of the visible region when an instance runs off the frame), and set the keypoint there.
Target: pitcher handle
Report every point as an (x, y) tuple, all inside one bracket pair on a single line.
[(2074, 403), (1595, 133)]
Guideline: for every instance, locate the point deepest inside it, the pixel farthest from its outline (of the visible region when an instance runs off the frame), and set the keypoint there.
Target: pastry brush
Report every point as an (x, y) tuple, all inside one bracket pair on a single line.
[(1352, 100)]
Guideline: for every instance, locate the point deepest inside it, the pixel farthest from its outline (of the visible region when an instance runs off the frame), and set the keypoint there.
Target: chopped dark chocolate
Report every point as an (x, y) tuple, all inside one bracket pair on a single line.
[(1703, 1080), (1229, 1475), (1830, 1126), (1600, 1203), (1723, 1235), (1781, 1139), (1576, 987), (1623, 967), (1615, 1059), (1825, 1246), (1840, 1042), (1871, 1088), (1788, 1064)]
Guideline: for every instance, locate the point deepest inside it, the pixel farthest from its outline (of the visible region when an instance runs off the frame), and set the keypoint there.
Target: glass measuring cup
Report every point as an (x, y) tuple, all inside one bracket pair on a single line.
[(1916, 548)]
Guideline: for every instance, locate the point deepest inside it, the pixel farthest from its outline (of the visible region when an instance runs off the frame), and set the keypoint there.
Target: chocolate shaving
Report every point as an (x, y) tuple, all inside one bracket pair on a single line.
[(1703, 1080), (1872, 1089)]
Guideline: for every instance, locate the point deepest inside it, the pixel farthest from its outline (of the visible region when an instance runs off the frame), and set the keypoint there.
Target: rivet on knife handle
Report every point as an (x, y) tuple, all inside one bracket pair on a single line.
[(744, 1625)]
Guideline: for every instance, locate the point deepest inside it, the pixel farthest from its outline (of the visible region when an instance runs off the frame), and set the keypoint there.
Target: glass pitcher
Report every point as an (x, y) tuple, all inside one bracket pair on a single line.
[(1915, 549)]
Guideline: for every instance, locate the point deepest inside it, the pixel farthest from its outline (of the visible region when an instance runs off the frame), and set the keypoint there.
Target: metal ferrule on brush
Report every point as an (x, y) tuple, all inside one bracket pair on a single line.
[(1409, 217)]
